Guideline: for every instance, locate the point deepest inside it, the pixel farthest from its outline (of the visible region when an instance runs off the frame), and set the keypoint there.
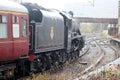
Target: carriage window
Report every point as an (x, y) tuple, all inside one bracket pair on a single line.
[(16, 27), (3, 26), (16, 31), (15, 19), (3, 19), (24, 29), (3, 30)]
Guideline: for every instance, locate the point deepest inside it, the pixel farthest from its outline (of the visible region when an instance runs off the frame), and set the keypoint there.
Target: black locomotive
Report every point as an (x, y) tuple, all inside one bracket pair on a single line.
[(54, 37)]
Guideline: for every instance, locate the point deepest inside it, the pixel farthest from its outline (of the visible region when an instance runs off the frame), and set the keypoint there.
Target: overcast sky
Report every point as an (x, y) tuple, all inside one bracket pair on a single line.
[(101, 8), (83, 8)]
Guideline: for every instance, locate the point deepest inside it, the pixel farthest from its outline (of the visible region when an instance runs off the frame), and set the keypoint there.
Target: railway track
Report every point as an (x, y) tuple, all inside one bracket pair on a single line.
[(101, 60), (100, 52)]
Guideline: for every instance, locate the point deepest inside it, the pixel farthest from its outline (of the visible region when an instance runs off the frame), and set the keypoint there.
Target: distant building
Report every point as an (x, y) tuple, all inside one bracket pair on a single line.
[(18, 1)]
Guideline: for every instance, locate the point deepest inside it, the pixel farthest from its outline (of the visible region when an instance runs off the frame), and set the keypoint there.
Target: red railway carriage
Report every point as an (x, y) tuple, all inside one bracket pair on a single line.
[(13, 31)]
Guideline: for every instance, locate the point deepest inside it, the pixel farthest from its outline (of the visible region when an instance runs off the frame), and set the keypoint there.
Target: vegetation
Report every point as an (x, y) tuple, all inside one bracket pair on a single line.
[(111, 73), (93, 27)]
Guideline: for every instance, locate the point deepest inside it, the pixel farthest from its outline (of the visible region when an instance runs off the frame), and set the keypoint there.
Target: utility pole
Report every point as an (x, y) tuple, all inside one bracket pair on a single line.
[(119, 18)]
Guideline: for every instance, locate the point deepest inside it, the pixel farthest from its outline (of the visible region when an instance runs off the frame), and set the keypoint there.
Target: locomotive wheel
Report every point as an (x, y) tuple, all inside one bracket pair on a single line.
[(60, 58), (75, 45), (42, 63), (74, 55), (78, 53), (69, 56), (55, 59), (81, 45), (64, 57)]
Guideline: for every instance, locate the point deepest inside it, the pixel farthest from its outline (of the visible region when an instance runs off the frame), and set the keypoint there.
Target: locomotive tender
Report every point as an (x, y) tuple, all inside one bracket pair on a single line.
[(33, 38)]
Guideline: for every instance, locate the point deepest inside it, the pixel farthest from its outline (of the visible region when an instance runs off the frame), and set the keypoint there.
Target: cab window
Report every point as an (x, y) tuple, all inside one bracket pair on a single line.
[(3, 26)]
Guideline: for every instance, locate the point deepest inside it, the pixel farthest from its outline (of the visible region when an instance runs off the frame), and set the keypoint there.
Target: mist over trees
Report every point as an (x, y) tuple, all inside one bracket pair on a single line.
[(93, 27)]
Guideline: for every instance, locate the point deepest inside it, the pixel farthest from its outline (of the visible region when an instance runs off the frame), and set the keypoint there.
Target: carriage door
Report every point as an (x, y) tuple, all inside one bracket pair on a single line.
[(16, 35), (19, 35), (24, 35)]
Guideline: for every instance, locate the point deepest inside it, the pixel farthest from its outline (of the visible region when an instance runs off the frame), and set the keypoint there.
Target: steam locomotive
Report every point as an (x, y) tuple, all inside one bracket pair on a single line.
[(33, 38)]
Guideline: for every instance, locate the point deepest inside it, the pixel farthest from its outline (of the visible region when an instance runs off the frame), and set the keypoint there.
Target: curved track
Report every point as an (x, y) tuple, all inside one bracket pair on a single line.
[(102, 60)]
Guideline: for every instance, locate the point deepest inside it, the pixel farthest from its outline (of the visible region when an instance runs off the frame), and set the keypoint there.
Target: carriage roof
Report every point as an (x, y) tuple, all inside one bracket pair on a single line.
[(12, 6)]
